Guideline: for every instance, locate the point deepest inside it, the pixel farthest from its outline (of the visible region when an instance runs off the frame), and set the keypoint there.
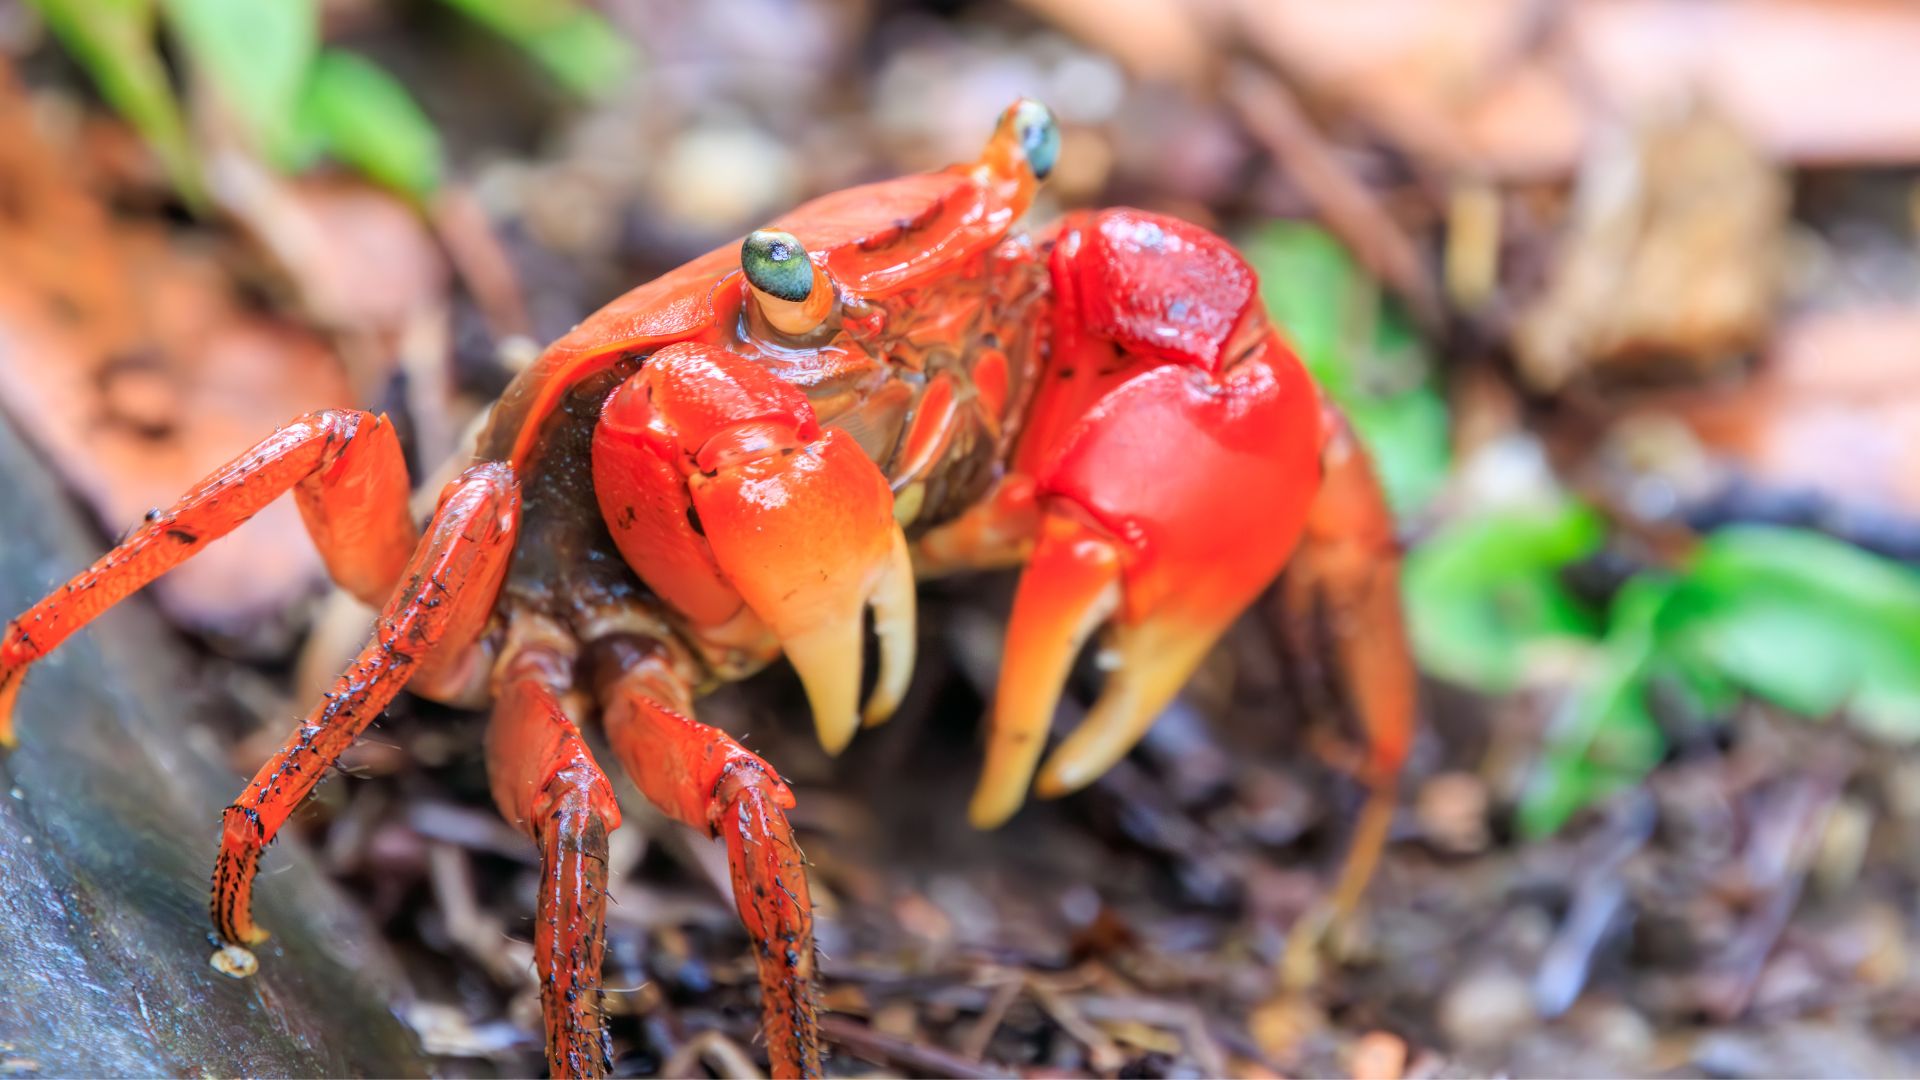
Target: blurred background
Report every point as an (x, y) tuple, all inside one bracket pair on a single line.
[(1624, 295)]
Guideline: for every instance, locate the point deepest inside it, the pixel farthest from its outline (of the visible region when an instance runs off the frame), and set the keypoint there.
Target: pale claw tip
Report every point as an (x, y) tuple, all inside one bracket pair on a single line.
[(893, 625), (993, 804), (828, 660)]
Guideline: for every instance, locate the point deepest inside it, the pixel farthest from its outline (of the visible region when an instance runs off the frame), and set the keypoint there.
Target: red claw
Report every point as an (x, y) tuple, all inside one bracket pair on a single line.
[(1071, 586), (722, 489), (1194, 483)]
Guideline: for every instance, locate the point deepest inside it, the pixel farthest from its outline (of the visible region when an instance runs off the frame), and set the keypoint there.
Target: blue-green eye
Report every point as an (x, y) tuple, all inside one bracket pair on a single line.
[(1039, 136), (777, 265)]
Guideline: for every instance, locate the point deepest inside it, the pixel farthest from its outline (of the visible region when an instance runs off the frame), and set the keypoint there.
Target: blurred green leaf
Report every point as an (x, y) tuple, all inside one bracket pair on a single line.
[(1484, 592), (1407, 435), (1810, 624), (355, 111), (114, 41), (1361, 350), (255, 54), (1307, 282), (581, 50), (1814, 626), (1606, 738)]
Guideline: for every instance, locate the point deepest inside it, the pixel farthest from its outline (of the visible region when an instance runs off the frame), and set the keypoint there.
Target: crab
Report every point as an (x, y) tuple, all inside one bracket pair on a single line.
[(737, 460)]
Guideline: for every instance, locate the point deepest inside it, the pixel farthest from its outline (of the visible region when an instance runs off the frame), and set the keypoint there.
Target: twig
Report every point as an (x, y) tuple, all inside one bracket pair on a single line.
[(1598, 899), (1275, 119), (426, 358), (1170, 1015), (481, 261), (466, 827), (714, 1049), (980, 1035), (480, 933), (1781, 852), (1102, 1053), (862, 1041)]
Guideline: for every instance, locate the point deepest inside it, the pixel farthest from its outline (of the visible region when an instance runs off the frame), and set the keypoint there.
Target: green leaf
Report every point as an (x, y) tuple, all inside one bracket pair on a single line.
[(1485, 593), (1361, 350), (1309, 285), (355, 111), (255, 54), (1407, 436), (113, 40), (1810, 624), (581, 50), (1606, 738)]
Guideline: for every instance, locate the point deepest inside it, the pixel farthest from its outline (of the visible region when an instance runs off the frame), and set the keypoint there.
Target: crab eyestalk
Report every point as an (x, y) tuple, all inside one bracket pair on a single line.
[(1026, 140), (794, 296)]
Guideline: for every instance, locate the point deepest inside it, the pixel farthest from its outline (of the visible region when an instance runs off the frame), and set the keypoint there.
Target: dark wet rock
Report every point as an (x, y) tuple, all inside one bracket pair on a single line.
[(109, 819)]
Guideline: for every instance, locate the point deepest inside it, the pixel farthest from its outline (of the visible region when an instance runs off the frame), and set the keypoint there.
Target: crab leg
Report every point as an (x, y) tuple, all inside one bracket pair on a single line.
[(547, 784), (447, 591), (345, 469), (1347, 573), (702, 777)]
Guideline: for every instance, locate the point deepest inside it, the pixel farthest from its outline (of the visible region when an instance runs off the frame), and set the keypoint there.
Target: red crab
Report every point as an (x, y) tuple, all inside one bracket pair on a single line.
[(733, 461)]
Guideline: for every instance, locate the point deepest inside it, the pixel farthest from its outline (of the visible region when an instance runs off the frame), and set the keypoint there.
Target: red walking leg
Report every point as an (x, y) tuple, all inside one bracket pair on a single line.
[(1339, 601), (446, 591), (700, 776), (547, 784), (345, 469), (1342, 587)]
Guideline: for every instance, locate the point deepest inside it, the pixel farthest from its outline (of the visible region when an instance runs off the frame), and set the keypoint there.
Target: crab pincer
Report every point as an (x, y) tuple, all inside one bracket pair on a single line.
[(1163, 513), (707, 460)]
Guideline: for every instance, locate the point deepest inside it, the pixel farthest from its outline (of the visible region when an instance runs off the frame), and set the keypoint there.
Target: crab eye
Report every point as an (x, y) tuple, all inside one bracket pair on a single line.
[(1039, 136), (777, 265), (784, 282)]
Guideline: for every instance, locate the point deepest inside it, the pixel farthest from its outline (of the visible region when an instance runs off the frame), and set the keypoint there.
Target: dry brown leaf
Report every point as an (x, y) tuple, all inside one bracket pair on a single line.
[(1813, 81), (360, 262), (1516, 87), (1411, 67), (1672, 261), (1156, 39), (128, 358), (362, 259), (1833, 409)]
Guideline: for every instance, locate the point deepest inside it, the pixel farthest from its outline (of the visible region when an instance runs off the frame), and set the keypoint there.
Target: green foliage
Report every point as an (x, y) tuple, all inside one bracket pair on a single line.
[(1362, 350), (1607, 737), (1807, 623), (1810, 624), (255, 54), (1485, 593), (574, 44), (294, 102), (1796, 619), (363, 116), (114, 41), (261, 57)]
